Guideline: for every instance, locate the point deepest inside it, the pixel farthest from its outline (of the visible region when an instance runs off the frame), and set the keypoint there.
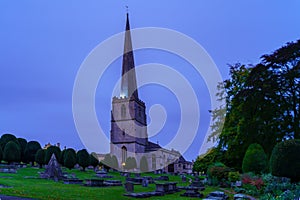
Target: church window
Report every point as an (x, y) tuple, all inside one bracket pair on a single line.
[(123, 111), (123, 132), (124, 154)]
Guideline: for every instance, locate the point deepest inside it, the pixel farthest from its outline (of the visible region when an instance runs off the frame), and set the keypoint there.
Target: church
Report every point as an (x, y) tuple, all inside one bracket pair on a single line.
[(128, 135)]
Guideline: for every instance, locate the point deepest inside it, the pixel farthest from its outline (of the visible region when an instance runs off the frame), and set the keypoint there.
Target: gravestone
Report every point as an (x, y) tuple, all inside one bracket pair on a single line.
[(137, 175), (183, 178), (129, 187), (145, 182)]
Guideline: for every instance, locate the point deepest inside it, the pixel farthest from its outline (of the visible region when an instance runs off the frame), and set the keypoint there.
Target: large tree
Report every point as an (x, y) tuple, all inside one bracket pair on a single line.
[(40, 157), (31, 148), (70, 158), (262, 104), (83, 158), (22, 143), (11, 152), (52, 150), (5, 138)]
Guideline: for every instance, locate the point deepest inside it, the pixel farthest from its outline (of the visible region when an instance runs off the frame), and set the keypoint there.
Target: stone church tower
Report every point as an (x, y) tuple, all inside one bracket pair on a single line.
[(128, 118)]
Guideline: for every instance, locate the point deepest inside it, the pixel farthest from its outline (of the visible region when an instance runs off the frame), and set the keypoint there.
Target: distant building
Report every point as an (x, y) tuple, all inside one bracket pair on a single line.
[(128, 136)]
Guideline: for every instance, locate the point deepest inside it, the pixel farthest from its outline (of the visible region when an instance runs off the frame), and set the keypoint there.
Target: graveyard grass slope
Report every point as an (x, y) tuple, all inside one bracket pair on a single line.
[(25, 183)]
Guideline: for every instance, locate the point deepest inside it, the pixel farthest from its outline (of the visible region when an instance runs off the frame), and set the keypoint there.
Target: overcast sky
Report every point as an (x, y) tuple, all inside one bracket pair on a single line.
[(43, 44)]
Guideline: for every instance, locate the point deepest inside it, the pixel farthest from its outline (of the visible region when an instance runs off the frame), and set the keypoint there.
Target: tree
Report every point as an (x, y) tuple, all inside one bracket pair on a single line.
[(1, 154), (130, 163), (30, 150), (144, 164), (262, 105), (94, 160), (40, 157), (11, 152), (52, 150), (107, 161), (5, 138), (62, 156), (204, 161), (255, 159), (114, 162), (23, 143), (285, 160), (70, 158), (83, 158)]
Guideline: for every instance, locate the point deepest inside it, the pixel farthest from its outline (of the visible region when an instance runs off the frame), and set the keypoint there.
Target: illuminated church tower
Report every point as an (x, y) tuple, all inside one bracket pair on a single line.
[(128, 118)]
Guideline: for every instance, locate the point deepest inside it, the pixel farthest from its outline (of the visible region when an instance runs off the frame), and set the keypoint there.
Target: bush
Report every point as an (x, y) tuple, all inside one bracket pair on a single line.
[(114, 162), (83, 158), (94, 160), (255, 159), (144, 164), (40, 157), (219, 171), (234, 176), (130, 163), (285, 160), (5, 138), (52, 150), (70, 158), (22, 143), (11, 152), (107, 161), (31, 148)]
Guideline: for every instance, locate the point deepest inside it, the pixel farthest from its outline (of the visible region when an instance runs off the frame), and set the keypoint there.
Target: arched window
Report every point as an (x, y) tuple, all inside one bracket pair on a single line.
[(124, 154), (123, 111)]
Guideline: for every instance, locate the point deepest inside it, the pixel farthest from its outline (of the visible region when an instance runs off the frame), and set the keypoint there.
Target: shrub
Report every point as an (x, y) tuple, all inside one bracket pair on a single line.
[(52, 150), (250, 179), (83, 158), (70, 158), (94, 160), (114, 162), (130, 163), (5, 138), (255, 159), (11, 152), (219, 171), (144, 164), (285, 160), (31, 148), (23, 143), (234, 176), (40, 157)]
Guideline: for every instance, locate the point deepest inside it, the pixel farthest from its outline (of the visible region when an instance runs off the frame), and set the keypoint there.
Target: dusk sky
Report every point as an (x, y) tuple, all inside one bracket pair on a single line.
[(43, 44)]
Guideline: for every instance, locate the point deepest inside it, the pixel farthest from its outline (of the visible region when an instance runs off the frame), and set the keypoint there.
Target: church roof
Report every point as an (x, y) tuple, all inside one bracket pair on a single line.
[(152, 146), (128, 84)]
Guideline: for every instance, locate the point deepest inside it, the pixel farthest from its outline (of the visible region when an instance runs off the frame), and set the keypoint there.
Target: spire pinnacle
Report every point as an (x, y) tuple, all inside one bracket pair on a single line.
[(128, 84)]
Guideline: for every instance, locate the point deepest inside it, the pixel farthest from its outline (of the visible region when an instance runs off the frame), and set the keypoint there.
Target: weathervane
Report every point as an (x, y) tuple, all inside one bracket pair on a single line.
[(126, 8)]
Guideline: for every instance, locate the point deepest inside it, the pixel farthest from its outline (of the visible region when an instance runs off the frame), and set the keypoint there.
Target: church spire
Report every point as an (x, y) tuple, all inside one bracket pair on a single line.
[(128, 85)]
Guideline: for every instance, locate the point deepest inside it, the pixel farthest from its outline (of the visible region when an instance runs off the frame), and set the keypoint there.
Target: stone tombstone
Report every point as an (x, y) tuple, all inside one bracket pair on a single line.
[(183, 178), (129, 187), (145, 182), (137, 175), (197, 178), (127, 174)]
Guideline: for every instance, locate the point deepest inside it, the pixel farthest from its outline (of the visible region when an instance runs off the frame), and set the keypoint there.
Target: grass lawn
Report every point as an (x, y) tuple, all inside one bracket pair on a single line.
[(26, 183)]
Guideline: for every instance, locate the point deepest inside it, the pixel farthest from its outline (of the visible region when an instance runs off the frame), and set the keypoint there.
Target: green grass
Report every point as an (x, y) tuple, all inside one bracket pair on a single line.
[(37, 188)]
